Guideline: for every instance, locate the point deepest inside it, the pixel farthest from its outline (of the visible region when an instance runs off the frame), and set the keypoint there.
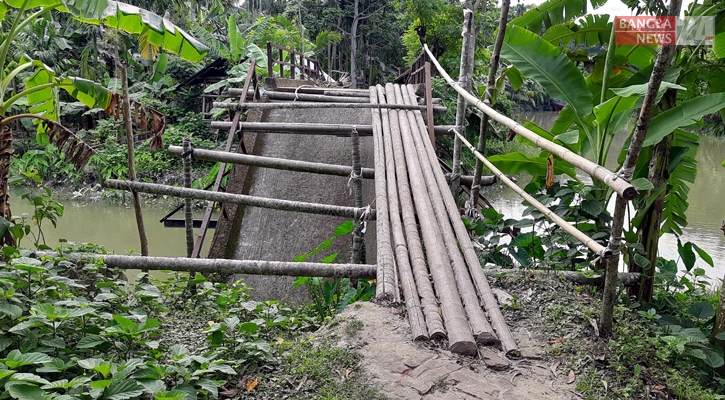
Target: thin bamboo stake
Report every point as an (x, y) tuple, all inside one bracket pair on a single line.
[(408, 247), (411, 139), (305, 105), (662, 63), (624, 188), (315, 129), (132, 161), (188, 213), (245, 200), (252, 267), (484, 289), (460, 339), (579, 235), (270, 162), (490, 87)]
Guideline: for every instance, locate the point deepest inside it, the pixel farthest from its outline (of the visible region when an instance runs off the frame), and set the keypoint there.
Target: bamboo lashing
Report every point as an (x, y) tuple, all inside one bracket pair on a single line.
[(621, 186), (579, 235), (409, 256), (252, 267), (479, 279), (479, 325), (245, 200)]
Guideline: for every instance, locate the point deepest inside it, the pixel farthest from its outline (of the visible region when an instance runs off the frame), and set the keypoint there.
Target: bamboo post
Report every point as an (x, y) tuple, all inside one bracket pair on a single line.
[(465, 75), (358, 233), (245, 200), (622, 187), (405, 231), (662, 63), (460, 338), (132, 161), (411, 139), (188, 213), (383, 199), (469, 253), (281, 64), (252, 267), (270, 61), (490, 87), (429, 102)]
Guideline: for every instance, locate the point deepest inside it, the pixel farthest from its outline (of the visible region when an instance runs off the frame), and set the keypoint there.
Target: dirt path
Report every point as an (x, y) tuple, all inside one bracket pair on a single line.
[(406, 370)]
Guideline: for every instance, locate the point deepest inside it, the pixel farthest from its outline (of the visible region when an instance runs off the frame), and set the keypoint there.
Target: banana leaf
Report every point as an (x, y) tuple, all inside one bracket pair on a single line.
[(515, 163), (554, 12), (543, 62), (684, 114)]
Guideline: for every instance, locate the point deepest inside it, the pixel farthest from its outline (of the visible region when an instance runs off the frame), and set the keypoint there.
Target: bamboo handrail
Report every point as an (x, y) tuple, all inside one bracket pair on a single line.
[(252, 267), (621, 186), (245, 200), (314, 129), (300, 104), (579, 235)]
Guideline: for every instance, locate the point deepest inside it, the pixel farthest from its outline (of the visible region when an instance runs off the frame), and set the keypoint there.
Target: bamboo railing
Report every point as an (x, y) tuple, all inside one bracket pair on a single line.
[(307, 66), (621, 186)]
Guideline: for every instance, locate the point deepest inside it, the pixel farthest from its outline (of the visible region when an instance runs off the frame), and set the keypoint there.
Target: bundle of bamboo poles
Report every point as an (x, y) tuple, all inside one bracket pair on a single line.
[(447, 296)]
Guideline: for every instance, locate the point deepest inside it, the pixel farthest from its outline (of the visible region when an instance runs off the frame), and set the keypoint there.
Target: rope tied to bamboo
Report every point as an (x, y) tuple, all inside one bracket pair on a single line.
[(452, 176), (189, 153), (365, 217), (626, 173)]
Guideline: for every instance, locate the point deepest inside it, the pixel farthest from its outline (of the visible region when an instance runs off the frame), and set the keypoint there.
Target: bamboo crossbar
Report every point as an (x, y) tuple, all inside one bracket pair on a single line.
[(252, 267), (315, 129), (300, 105), (580, 277), (276, 95), (579, 235), (245, 200), (271, 162), (621, 186)]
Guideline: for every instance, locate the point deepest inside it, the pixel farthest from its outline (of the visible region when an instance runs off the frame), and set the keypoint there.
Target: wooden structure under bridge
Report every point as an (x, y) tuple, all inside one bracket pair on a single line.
[(307, 158)]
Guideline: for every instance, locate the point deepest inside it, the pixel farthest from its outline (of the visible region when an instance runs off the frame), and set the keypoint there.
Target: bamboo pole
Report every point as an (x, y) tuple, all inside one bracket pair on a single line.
[(305, 105), (275, 95), (490, 87), (295, 165), (188, 213), (479, 279), (126, 102), (358, 232), (662, 63), (411, 139), (270, 162), (315, 129), (245, 200), (460, 338), (580, 277), (621, 186), (579, 235), (386, 283), (409, 255), (252, 267)]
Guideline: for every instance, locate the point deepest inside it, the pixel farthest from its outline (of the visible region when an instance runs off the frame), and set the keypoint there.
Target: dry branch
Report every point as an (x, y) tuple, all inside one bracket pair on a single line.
[(245, 200), (252, 267)]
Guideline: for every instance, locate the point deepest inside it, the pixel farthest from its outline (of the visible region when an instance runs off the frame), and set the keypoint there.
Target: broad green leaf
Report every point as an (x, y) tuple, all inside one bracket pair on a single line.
[(514, 163), (703, 254), (720, 336), (248, 327), (642, 184), (10, 309), (32, 378), (125, 389), (344, 228), (16, 359), (702, 310), (102, 384), (349, 295), (554, 12), (719, 47), (686, 253), (592, 207), (543, 62), (209, 386), (640, 90), (692, 334), (6, 372), (591, 30), (25, 391), (713, 359), (687, 113)]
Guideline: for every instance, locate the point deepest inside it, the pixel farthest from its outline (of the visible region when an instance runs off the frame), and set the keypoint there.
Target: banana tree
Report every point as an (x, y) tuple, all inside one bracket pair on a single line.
[(42, 84)]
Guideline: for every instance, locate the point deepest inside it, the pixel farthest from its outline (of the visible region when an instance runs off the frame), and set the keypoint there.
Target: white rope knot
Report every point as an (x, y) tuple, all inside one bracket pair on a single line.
[(625, 173), (366, 216), (297, 89), (353, 178)]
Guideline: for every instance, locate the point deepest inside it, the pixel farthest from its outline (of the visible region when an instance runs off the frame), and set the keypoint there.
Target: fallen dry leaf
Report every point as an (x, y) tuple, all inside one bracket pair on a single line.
[(555, 365), (570, 379), (660, 387), (552, 341), (252, 384), (348, 372)]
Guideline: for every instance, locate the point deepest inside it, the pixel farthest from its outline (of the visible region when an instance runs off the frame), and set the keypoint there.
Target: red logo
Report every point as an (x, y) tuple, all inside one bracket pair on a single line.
[(645, 30)]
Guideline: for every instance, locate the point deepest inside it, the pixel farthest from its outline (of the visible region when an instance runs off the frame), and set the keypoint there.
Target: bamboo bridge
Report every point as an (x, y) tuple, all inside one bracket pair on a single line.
[(308, 157)]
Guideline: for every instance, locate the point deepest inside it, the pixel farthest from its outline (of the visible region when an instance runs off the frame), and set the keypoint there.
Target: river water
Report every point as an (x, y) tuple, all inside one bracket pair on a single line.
[(114, 226), (705, 214)]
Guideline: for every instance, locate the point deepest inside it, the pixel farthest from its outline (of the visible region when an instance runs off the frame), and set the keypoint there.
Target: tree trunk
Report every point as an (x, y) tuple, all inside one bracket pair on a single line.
[(131, 161), (353, 45), (664, 57)]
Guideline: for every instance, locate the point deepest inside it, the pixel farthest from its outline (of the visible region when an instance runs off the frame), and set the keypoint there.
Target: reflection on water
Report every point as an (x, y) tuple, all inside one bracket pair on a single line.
[(705, 214), (110, 225)]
